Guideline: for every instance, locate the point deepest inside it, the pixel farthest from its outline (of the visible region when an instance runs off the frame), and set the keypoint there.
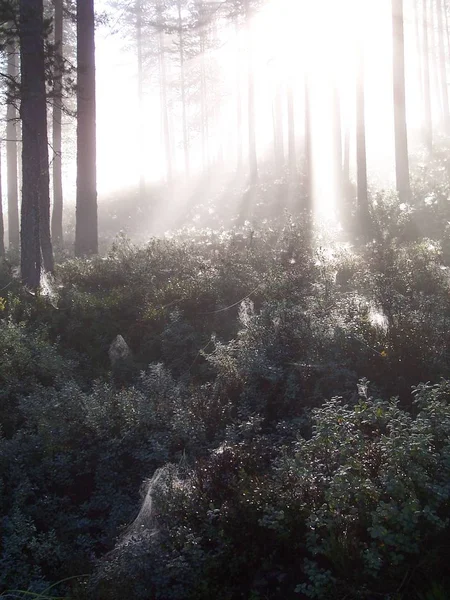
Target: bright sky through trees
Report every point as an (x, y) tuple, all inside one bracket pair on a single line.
[(288, 37)]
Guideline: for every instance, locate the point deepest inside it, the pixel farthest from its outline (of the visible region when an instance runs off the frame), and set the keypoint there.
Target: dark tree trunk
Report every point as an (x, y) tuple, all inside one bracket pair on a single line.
[(428, 133), (361, 155), (11, 155), (401, 132), (57, 214), (86, 234), (2, 226), (34, 140)]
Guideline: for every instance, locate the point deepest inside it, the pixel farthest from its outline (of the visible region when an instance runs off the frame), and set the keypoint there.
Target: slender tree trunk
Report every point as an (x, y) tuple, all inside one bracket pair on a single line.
[(291, 130), (12, 136), (401, 132), (447, 32), (278, 129), (443, 67), (86, 233), (338, 163), (361, 155), (239, 136), (2, 226), (57, 215), (140, 91), (165, 108), (435, 73), (44, 201), (19, 162), (181, 51), (428, 139), (40, 125), (203, 92), (34, 118), (253, 160), (308, 147), (419, 54), (204, 106), (346, 164)]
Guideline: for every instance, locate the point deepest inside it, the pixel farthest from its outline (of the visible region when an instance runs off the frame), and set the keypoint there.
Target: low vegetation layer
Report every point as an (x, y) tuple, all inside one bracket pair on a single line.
[(259, 485)]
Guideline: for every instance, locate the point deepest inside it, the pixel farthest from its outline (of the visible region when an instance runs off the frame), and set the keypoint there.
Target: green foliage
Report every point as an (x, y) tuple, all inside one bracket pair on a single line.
[(360, 508), (261, 490)]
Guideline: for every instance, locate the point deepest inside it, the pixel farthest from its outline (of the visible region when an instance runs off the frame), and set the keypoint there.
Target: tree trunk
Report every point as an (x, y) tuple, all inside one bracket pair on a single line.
[(2, 226), (86, 233), (291, 130), (346, 165), (401, 132), (435, 73), (419, 54), (337, 140), (278, 129), (57, 215), (11, 154), (34, 126), (203, 87), (447, 32), (252, 156), (164, 106), (183, 92), (443, 67), (239, 136), (361, 155), (428, 134), (140, 91), (308, 148)]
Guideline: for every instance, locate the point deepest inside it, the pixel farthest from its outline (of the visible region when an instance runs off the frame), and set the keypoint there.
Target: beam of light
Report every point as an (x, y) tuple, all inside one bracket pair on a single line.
[(289, 38)]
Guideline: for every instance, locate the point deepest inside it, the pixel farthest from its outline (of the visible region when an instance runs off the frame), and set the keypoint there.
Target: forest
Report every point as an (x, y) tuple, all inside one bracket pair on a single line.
[(224, 299)]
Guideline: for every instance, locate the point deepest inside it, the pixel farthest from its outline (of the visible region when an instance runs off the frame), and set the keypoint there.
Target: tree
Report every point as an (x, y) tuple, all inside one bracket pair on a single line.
[(401, 133), (308, 159), (2, 227), (419, 54), (239, 111), (338, 158), (57, 215), (292, 146), (11, 147), (278, 122), (252, 156), (428, 133), (443, 67), (181, 51), (86, 231), (165, 104), (361, 153), (35, 226)]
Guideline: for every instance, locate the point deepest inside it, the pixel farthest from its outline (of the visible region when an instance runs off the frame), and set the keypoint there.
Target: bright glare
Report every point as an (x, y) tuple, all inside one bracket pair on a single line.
[(288, 38)]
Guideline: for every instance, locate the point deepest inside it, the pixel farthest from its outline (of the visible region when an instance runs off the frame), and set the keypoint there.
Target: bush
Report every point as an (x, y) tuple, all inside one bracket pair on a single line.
[(359, 509)]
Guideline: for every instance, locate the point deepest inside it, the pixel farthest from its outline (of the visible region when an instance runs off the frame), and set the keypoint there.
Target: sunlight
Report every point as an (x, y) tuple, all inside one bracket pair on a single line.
[(322, 38), (289, 38)]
